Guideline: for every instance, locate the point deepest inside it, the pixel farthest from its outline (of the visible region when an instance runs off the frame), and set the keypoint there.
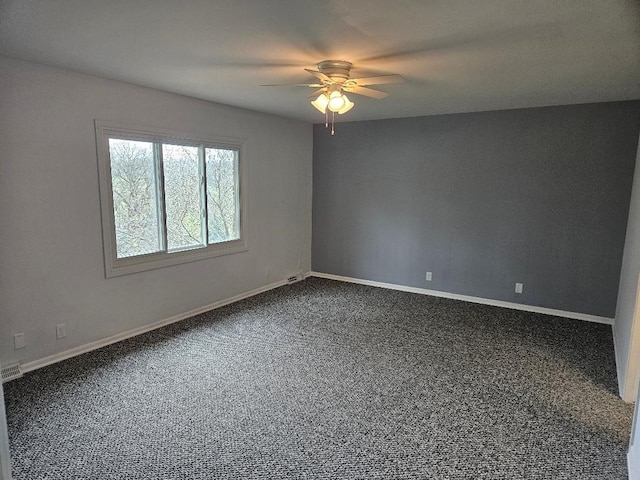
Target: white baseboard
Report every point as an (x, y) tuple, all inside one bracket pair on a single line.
[(103, 342), (628, 397), (5, 454), (466, 298)]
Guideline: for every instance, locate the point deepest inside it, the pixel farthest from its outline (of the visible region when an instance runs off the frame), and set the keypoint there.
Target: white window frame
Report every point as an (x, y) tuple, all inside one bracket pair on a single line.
[(115, 266)]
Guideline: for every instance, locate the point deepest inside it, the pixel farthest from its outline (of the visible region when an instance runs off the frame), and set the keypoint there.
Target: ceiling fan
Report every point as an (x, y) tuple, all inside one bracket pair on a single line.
[(334, 80)]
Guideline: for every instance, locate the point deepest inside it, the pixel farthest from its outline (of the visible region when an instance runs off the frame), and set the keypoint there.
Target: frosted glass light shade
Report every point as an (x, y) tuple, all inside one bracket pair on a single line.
[(321, 103), (348, 105), (336, 102)]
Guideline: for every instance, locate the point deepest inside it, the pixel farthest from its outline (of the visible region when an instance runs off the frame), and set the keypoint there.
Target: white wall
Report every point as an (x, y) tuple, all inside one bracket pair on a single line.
[(51, 256), (626, 335)]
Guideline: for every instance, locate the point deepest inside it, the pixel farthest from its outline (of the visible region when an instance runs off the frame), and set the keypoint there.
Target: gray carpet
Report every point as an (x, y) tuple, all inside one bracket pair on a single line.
[(327, 380)]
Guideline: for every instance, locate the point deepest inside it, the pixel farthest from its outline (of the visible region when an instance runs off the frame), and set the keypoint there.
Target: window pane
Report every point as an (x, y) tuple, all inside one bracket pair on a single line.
[(222, 195), (135, 205), (182, 197)]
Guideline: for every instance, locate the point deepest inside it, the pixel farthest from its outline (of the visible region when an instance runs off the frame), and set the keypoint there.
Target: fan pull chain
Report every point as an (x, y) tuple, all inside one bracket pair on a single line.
[(333, 122), (326, 118)]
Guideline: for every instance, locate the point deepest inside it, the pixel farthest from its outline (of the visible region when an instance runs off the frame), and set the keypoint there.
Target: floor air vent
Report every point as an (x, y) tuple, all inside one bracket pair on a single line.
[(11, 372), (295, 278)]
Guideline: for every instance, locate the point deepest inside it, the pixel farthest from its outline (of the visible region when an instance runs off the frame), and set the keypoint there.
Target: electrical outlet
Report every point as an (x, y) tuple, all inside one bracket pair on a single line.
[(61, 331), (19, 341), (519, 288), (429, 276)]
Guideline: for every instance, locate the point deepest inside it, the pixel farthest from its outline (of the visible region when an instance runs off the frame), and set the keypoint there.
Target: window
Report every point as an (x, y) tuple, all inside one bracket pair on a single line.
[(167, 198)]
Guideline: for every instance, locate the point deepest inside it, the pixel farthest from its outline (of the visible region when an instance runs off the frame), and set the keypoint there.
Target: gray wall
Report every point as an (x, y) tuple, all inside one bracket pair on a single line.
[(51, 256), (483, 200)]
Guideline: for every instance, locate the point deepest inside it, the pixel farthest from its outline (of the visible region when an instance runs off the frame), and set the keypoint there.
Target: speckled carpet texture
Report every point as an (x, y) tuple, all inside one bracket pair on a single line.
[(329, 380)]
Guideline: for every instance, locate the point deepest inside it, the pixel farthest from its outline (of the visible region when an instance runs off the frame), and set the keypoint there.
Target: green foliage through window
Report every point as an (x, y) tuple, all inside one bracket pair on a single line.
[(170, 197)]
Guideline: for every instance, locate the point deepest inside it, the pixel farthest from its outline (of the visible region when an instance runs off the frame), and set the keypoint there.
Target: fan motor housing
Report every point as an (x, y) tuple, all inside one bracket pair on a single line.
[(336, 69)]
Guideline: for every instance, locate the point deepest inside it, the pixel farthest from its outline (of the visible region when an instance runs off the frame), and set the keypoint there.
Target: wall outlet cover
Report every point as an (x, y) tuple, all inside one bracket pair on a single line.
[(61, 331), (19, 341)]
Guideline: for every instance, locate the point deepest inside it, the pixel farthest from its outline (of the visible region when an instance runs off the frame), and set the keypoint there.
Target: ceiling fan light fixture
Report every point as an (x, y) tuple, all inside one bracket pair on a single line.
[(321, 102), (333, 78), (348, 105)]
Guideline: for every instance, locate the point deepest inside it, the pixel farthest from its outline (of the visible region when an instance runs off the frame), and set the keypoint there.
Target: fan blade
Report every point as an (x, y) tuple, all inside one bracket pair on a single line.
[(379, 80), (320, 75), (312, 85), (317, 92), (367, 92), (466, 41)]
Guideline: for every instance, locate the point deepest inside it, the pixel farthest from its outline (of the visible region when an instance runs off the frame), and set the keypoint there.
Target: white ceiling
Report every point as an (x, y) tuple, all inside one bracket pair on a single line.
[(455, 55)]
